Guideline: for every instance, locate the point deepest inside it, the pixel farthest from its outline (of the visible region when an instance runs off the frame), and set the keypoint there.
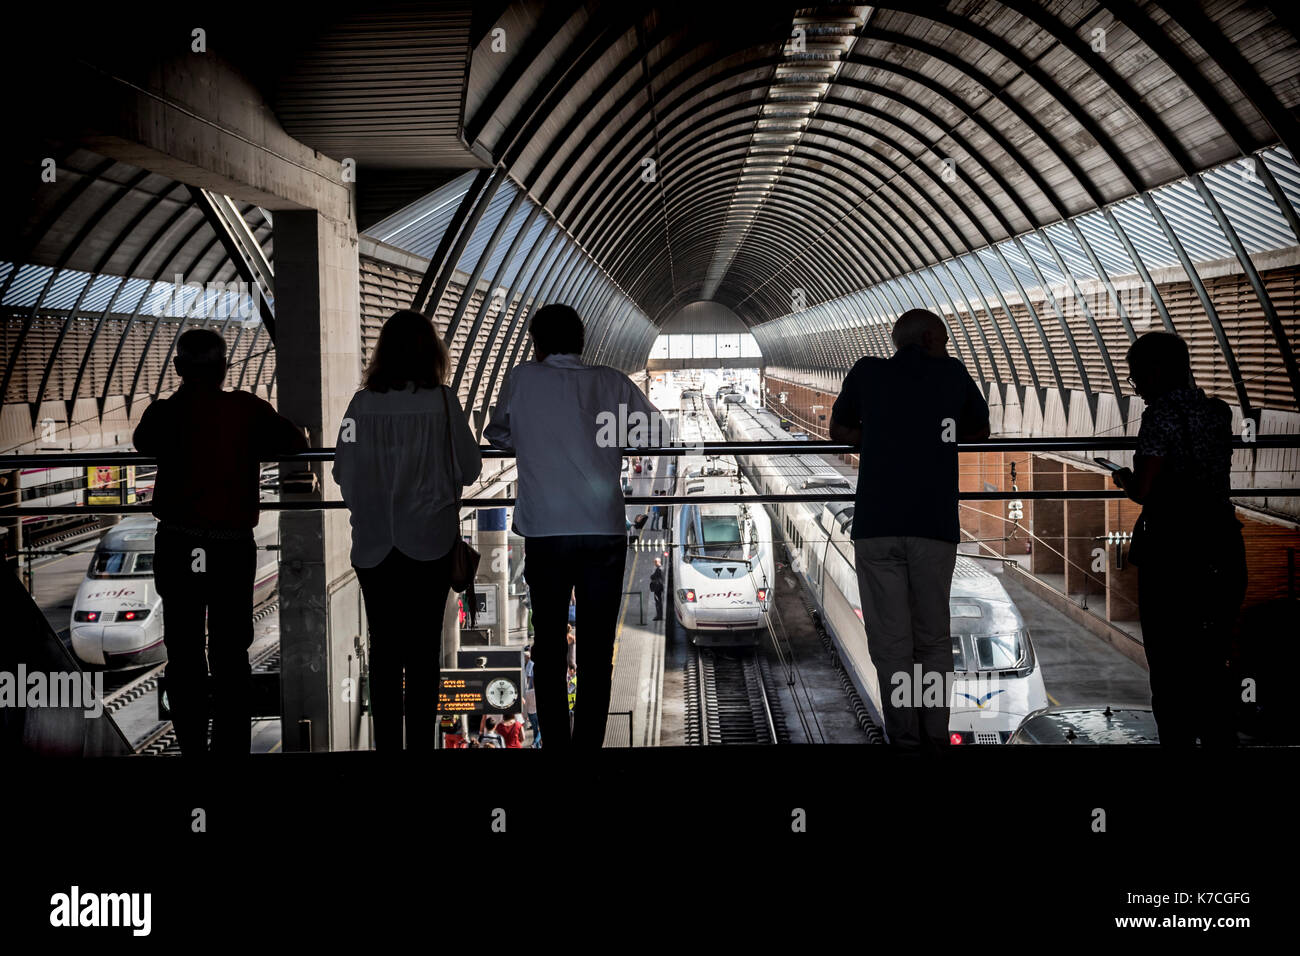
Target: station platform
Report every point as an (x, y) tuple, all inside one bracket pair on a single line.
[(636, 689)]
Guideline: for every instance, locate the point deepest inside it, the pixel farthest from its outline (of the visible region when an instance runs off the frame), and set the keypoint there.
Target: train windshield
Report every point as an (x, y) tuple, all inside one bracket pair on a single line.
[(994, 652), (988, 652), (720, 537), (986, 636), (110, 564)]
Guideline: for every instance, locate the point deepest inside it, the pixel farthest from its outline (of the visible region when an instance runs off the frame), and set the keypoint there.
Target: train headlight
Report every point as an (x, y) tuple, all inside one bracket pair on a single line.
[(687, 595), (134, 615), (762, 594), (955, 738), (86, 617)]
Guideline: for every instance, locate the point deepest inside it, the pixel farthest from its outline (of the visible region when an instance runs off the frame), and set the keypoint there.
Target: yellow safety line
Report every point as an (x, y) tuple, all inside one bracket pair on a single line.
[(277, 746), (618, 633), (1055, 702)]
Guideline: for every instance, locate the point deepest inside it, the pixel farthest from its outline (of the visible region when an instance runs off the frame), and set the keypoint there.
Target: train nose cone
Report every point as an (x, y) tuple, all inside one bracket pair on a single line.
[(88, 643), (123, 639)]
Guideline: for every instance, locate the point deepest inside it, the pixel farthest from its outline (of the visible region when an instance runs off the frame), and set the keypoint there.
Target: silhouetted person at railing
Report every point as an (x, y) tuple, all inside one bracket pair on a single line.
[(210, 445), (907, 413), (1187, 544), (567, 423), (403, 454)]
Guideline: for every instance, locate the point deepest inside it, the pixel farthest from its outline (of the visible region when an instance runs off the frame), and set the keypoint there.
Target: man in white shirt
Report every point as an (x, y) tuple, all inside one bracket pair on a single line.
[(567, 424)]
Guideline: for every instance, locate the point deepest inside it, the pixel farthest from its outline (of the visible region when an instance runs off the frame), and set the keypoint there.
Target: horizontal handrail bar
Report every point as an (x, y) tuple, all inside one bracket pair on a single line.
[(678, 450), (1048, 495)]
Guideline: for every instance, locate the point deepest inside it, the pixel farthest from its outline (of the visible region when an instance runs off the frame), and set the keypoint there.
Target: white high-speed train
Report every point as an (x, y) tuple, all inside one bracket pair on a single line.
[(722, 552), (997, 677), (117, 619)]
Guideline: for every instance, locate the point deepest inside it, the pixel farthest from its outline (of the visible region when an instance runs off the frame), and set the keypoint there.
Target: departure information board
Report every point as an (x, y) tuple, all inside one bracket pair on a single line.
[(481, 691)]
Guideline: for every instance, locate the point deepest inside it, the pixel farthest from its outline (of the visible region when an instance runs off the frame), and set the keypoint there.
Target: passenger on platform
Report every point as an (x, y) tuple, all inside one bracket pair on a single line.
[(511, 730), (403, 454), (571, 652), (209, 444), (657, 589), (1187, 545), (907, 414), (488, 737)]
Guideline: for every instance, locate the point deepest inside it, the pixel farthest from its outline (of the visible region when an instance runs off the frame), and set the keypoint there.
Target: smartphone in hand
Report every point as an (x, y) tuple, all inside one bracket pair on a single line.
[(1108, 464)]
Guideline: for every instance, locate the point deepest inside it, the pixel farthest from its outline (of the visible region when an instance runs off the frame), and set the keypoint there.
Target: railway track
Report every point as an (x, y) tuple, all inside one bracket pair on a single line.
[(161, 738), (729, 702)]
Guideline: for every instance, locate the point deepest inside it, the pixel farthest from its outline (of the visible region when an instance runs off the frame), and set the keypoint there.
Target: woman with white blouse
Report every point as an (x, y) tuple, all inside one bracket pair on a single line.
[(403, 453)]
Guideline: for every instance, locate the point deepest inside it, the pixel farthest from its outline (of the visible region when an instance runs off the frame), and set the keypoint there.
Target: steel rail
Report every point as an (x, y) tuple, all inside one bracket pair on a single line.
[(816, 446), (7, 511)]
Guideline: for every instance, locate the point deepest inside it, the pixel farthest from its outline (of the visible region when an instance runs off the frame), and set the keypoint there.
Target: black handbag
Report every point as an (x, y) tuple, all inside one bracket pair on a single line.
[(464, 559)]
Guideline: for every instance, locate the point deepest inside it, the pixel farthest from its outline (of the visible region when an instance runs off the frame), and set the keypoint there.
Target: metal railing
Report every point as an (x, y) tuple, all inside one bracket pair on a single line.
[(316, 455)]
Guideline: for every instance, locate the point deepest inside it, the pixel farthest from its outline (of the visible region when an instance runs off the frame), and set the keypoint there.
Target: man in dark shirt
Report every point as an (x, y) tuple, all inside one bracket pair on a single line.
[(907, 414), (1187, 541), (209, 444)]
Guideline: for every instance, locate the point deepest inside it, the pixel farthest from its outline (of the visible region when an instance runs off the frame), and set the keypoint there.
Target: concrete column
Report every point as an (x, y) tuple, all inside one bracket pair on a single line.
[(1085, 527), (1049, 518), (318, 351), (494, 569)]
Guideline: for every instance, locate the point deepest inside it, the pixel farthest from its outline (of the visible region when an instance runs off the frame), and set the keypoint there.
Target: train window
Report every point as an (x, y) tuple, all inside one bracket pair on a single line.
[(144, 562), (998, 651), (109, 563), (51, 488), (958, 653), (720, 529), (965, 610)]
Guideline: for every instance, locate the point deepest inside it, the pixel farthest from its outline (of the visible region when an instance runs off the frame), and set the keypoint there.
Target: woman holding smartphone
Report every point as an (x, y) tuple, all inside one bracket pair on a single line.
[(1187, 545), (403, 454)]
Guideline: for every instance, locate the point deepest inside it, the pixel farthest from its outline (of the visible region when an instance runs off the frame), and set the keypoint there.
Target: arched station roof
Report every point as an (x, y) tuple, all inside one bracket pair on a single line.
[(1031, 170)]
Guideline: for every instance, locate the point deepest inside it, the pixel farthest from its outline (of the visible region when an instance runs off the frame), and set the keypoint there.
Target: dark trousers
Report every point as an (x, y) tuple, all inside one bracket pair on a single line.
[(405, 600), (593, 565), (905, 583), (206, 580), (1189, 593), (659, 603)]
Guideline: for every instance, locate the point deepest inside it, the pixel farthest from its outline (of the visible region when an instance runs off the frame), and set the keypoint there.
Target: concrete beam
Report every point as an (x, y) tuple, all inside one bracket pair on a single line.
[(197, 120)]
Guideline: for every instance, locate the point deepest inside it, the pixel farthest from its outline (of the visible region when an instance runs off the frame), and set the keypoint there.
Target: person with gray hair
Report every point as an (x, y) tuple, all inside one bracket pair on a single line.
[(907, 414)]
